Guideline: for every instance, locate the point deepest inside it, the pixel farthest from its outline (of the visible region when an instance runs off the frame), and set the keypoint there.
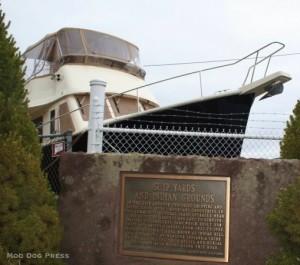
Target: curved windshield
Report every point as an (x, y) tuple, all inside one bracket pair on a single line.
[(40, 58), (81, 47), (70, 42), (106, 45)]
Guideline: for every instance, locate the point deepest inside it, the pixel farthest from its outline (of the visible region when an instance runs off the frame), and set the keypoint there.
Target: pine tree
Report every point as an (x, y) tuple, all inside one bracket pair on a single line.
[(290, 145), (29, 221)]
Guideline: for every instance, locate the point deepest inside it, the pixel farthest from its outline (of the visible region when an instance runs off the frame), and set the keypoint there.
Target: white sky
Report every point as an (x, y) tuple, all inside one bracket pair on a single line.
[(171, 31)]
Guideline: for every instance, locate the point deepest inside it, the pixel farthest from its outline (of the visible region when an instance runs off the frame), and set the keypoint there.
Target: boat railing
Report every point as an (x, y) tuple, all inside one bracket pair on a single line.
[(256, 55), (252, 68)]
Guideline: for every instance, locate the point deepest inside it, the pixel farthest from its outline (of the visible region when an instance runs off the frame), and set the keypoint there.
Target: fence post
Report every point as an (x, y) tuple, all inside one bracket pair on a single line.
[(96, 115)]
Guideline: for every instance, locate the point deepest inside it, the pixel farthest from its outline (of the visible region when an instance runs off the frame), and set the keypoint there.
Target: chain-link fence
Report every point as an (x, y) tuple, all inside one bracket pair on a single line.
[(53, 145), (160, 142), (205, 143), (260, 140)]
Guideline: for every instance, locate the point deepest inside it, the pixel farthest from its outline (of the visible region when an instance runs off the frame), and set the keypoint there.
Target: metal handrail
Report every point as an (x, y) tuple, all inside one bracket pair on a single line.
[(256, 62), (269, 56), (264, 58)]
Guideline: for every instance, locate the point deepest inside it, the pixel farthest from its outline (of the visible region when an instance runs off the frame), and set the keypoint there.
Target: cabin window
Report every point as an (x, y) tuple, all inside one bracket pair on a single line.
[(52, 121), (83, 102), (71, 42), (108, 112), (65, 119), (102, 44), (116, 103), (134, 55), (40, 59), (39, 124)]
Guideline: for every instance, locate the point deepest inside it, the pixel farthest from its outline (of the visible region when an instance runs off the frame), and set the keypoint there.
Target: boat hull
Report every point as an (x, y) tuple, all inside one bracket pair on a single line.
[(220, 115)]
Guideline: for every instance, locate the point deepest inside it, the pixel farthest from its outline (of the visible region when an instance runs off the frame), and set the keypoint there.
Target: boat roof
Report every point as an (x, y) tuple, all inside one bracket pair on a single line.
[(69, 29), (84, 47)]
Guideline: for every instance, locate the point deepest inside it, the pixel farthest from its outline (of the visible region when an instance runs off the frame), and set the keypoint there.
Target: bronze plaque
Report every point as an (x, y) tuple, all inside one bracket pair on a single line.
[(175, 216)]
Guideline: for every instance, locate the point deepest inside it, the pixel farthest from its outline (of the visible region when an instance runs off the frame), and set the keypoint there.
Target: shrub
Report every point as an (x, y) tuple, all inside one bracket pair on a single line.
[(284, 222), (290, 144)]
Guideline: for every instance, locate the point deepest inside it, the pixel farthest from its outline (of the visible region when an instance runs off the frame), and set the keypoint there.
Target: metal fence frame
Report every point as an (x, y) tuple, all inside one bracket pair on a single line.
[(50, 164)]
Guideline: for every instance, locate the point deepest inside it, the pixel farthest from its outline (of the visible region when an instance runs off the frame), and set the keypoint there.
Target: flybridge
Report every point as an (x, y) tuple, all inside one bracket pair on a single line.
[(81, 46)]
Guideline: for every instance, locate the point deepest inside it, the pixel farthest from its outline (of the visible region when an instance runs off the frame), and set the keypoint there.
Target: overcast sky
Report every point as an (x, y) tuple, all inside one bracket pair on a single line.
[(177, 31)]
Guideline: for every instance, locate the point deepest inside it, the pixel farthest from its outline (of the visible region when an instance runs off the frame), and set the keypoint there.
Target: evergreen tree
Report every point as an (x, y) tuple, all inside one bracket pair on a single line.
[(29, 221), (290, 145), (284, 222)]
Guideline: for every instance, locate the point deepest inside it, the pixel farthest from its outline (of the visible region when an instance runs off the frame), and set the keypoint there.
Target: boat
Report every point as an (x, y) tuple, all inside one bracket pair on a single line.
[(60, 66)]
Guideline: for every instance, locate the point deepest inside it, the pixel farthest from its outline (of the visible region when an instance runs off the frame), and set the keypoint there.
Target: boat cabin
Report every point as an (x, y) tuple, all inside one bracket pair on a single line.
[(58, 71)]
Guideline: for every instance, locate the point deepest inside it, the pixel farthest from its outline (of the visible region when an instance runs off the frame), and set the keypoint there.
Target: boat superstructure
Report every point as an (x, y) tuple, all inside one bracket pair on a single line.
[(60, 66)]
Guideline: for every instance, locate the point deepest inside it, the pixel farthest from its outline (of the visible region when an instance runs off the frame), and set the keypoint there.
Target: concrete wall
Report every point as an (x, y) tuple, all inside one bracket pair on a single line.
[(89, 203)]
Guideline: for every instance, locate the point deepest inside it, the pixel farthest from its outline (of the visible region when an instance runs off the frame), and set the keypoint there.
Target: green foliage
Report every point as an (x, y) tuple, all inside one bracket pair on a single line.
[(13, 114), (29, 221), (284, 223), (290, 145)]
